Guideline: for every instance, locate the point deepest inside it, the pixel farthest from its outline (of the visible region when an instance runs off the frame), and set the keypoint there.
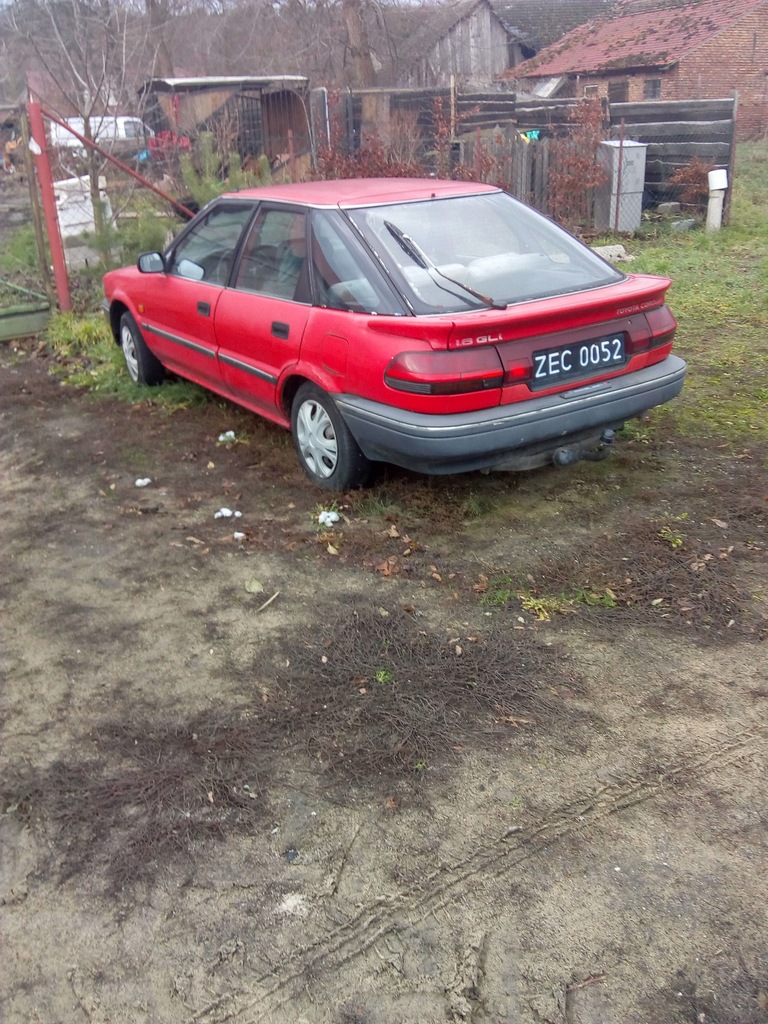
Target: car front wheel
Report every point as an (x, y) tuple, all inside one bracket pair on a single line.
[(327, 451), (142, 366)]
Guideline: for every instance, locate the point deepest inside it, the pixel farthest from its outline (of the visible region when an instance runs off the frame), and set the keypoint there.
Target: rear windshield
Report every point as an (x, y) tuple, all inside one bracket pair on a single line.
[(467, 252)]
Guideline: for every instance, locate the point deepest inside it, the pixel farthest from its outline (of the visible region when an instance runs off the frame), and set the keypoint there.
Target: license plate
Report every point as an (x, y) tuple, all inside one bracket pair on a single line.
[(577, 361)]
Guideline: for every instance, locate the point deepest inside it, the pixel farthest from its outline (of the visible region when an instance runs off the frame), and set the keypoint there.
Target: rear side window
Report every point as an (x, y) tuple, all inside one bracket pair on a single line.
[(274, 259), (345, 276)]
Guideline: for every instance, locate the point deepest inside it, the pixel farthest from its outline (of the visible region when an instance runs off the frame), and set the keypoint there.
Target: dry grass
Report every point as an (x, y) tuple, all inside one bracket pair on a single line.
[(372, 699)]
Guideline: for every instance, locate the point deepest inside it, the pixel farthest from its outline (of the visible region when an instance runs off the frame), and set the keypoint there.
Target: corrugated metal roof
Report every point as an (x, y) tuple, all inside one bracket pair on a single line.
[(225, 82), (636, 40)]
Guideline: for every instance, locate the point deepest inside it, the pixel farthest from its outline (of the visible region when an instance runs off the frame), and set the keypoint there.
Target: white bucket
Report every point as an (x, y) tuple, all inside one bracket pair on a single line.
[(718, 180)]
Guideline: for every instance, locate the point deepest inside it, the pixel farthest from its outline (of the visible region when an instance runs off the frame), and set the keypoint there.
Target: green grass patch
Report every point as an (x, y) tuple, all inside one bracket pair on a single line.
[(86, 356), (503, 589), (720, 298), (20, 253)]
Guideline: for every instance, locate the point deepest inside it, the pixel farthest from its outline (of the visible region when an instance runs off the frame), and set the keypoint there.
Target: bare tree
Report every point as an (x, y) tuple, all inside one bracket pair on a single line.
[(83, 57), (359, 46)]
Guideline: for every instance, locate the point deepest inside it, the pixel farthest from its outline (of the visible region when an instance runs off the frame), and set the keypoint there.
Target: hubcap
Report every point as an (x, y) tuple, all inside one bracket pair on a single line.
[(128, 343), (317, 439)]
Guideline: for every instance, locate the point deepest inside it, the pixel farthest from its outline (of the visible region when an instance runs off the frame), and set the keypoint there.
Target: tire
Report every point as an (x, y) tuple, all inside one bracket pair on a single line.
[(142, 366), (327, 451)]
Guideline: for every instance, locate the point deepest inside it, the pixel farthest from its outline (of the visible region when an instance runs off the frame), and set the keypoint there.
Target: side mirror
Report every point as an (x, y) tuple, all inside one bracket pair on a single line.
[(151, 263)]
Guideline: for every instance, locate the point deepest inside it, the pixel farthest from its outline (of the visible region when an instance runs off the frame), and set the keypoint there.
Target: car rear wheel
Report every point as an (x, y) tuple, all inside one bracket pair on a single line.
[(142, 366), (327, 451)]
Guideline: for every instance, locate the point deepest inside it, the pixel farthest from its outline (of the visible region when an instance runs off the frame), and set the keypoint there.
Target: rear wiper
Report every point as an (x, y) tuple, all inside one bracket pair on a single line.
[(421, 259)]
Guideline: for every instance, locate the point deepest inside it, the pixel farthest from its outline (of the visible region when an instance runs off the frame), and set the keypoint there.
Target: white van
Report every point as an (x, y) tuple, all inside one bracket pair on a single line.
[(119, 131)]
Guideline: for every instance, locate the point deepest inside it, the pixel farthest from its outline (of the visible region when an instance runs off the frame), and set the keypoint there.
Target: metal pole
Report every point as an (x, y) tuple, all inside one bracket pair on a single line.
[(618, 177), (39, 146), (291, 156), (90, 144), (37, 217)]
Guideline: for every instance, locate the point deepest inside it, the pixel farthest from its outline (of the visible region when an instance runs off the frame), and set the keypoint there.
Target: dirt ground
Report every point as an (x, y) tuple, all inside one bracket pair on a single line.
[(489, 750)]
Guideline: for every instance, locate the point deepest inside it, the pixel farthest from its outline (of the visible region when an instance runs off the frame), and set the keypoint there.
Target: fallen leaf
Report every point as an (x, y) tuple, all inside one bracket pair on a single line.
[(393, 532), (657, 601), (254, 586), (720, 523), (332, 550)]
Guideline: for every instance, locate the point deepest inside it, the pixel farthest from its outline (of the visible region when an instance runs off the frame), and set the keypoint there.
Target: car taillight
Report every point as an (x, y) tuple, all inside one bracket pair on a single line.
[(445, 373), (662, 326), (518, 371)]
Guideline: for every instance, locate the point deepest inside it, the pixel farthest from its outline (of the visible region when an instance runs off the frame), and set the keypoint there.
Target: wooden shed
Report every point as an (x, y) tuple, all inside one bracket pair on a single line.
[(250, 115)]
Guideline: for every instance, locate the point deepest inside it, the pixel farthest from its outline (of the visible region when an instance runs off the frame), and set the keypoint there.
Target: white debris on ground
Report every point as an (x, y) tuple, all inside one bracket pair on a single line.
[(228, 437), (226, 513), (143, 481), (613, 253), (328, 518), (238, 535)]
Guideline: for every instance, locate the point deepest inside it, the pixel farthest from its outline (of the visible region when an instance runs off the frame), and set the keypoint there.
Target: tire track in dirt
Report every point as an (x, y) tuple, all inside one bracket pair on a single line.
[(276, 987)]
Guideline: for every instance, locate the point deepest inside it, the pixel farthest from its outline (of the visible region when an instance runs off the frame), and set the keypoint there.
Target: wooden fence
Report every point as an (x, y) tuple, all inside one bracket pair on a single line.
[(676, 132), (511, 136)]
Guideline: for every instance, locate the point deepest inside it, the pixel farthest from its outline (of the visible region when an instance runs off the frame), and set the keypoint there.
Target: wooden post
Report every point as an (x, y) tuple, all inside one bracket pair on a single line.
[(731, 162)]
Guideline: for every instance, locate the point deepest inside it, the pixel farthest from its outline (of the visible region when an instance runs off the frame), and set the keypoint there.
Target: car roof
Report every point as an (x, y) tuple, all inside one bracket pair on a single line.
[(349, 192)]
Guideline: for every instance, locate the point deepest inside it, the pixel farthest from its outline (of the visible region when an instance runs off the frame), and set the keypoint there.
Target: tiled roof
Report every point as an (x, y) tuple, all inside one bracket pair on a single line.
[(542, 22), (636, 40)]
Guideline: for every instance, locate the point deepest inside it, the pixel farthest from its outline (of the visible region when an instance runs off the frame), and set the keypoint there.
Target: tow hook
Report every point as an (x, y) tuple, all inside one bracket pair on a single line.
[(566, 456)]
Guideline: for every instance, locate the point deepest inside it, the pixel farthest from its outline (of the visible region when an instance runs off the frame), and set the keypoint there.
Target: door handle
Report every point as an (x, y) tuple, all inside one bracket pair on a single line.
[(204, 308), (280, 330)]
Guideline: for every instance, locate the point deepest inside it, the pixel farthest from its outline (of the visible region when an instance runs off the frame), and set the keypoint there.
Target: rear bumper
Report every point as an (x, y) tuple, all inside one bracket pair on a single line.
[(515, 436)]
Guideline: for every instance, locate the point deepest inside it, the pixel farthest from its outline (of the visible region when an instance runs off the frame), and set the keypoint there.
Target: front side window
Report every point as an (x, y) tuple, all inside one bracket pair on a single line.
[(476, 251), (205, 252)]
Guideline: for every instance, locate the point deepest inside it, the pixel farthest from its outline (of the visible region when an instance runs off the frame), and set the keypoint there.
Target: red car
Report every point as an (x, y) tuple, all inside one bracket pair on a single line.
[(442, 326)]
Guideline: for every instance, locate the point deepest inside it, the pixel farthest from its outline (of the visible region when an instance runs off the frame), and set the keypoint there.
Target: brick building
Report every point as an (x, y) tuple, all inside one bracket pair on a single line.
[(664, 50)]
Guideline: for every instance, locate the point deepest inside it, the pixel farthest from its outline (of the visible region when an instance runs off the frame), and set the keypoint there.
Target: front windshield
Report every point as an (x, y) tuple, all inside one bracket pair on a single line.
[(476, 251)]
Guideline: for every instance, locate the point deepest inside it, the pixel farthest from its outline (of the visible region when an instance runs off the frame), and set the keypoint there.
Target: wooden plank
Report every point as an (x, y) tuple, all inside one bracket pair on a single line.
[(694, 131), (673, 110), (487, 97), (471, 125), (486, 116), (489, 108), (714, 152)]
